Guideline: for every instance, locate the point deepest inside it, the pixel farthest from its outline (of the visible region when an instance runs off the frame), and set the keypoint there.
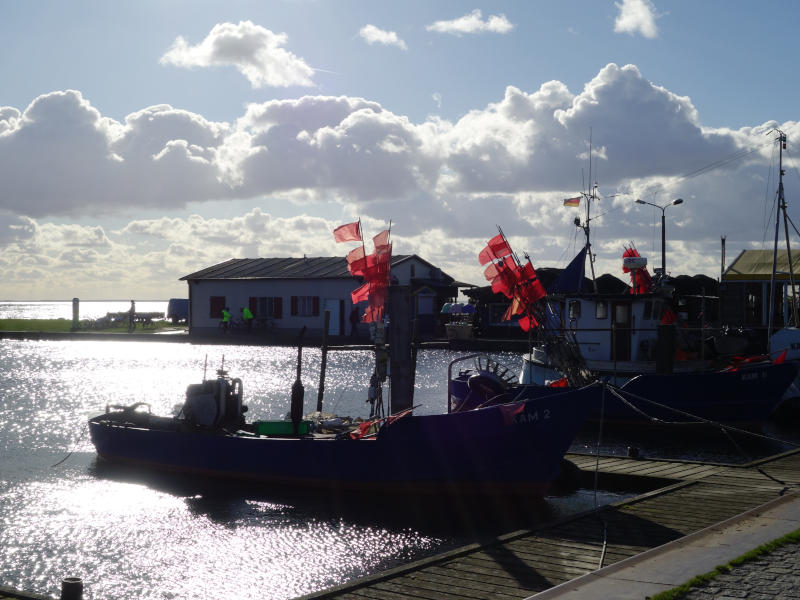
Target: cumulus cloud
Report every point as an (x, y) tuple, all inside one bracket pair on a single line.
[(374, 35), (636, 16), (61, 157), (442, 183), (256, 52), (473, 23)]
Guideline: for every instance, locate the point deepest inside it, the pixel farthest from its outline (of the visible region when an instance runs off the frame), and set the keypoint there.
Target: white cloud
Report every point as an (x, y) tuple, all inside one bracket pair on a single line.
[(444, 184), (437, 98), (636, 16), (473, 23), (62, 157), (256, 52), (373, 35)]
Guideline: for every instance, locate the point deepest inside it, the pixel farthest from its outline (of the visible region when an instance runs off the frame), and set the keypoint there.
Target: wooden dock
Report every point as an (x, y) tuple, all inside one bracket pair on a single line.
[(523, 563)]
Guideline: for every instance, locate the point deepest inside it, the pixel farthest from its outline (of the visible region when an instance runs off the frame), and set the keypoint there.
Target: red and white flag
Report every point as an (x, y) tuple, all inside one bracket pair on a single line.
[(348, 233)]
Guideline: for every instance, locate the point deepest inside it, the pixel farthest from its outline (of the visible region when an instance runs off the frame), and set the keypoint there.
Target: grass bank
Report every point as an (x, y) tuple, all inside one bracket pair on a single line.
[(65, 325), (700, 580)]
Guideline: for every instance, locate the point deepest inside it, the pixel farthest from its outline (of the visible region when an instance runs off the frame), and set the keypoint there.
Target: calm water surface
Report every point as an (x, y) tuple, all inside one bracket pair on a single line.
[(130, 536)]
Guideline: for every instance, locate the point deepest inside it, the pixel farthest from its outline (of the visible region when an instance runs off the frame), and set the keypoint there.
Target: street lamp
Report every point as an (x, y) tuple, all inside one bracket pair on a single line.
[(663, 236)]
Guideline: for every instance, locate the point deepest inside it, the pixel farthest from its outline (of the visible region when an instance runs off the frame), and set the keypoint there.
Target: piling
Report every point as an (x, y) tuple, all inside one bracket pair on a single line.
[(323, 366), (400, 331), (75, 313), (71, 588)]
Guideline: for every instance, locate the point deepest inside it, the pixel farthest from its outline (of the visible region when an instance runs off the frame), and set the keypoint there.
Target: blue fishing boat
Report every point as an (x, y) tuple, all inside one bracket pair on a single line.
[(746, 395), (515, 448)]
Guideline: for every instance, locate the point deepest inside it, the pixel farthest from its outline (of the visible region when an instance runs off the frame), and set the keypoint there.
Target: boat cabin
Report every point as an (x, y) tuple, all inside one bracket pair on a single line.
[(618, 327)]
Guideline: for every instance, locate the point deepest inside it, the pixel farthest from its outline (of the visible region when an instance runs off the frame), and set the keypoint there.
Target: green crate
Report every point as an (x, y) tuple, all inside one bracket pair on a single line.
[(280, 427)]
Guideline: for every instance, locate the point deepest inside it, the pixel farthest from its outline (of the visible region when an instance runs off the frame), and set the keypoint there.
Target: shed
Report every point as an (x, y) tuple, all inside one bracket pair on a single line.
[(745, 288), (286, 294)]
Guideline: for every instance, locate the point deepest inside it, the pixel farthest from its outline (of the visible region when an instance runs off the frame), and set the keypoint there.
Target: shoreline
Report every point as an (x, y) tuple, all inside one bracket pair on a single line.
[(340, 343)]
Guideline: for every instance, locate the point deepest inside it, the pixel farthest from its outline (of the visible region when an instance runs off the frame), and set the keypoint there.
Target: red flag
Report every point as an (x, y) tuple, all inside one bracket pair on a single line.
[(500, 286), (781, 359), (485, 256), (357, 267), (373, 314), (355, 254), (380, 240), (491, 272), (499, 246), (526, 273), (360, 294), (348, 233)]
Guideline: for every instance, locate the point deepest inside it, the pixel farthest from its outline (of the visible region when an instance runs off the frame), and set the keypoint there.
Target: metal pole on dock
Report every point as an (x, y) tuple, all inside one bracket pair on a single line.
[(324, 364)]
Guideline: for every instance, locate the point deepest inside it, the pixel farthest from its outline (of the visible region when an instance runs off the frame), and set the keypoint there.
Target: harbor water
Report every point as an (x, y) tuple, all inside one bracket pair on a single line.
[(128, 534)]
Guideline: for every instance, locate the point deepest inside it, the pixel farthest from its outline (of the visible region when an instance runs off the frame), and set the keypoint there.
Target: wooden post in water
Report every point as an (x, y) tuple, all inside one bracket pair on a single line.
[(402, 390), (324, 364), (298, 392), (76, 314), (71, 588)]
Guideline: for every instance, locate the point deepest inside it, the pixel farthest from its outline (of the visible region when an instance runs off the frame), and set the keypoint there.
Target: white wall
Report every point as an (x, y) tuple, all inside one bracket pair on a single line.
[(237, 293)]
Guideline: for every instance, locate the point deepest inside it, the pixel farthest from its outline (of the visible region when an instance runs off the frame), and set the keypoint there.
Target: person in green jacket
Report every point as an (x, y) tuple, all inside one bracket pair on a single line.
[(226, 319), (247, 317)]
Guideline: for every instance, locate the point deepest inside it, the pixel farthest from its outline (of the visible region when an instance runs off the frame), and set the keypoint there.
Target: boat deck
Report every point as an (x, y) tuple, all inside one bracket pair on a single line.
[(520, 564)]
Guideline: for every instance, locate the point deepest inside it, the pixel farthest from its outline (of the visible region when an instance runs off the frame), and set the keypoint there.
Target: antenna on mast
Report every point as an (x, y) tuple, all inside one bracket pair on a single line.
[(589, 198)]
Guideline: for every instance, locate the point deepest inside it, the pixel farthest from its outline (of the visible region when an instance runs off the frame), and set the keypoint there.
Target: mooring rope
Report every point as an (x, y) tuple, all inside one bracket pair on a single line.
[(725, 429)]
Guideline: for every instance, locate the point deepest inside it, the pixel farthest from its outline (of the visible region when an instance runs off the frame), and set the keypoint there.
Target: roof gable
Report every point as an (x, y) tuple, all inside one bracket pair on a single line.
[(756, 265)]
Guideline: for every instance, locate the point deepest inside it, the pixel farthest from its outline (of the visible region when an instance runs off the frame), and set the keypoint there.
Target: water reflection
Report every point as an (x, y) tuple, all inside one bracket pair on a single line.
[(135, 535)]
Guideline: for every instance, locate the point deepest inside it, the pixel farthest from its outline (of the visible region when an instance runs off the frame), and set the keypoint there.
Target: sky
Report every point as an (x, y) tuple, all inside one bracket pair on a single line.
[(143, 141)]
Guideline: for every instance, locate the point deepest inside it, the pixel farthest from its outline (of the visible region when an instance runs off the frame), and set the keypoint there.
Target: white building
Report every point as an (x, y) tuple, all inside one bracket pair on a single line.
[(286, 294)]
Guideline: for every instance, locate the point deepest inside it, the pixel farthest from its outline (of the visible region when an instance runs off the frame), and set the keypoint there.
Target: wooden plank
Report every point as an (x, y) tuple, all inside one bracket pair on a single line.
[(525, 563), (473, 587)]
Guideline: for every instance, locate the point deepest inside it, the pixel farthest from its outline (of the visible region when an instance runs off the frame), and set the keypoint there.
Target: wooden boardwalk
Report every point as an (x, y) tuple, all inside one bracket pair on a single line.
[(522, 563)]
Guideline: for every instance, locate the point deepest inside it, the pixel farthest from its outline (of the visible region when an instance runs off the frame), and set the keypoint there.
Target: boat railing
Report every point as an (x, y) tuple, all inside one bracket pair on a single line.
[(450, 375)]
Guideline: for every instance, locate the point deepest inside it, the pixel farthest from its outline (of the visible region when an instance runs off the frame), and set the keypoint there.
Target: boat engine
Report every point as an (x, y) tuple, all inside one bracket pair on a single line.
[(215, 403)]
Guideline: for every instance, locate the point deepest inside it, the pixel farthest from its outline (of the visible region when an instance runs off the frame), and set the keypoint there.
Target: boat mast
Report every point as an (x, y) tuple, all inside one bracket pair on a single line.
[(781, 212), (589, 198)]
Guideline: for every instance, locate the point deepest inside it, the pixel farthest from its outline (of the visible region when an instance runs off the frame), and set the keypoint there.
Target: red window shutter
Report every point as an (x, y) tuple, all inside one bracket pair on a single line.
[(277, 307), (294, 306), (315, 306), (216, 304), (252, 304)]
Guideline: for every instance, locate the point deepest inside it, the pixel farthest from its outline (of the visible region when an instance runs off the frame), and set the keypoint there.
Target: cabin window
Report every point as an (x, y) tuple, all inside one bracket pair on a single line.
[(216, 304), (574, 309), (621, 315), (412, 271), (305, 306), (269, 307), (648, 310), (601, 309)]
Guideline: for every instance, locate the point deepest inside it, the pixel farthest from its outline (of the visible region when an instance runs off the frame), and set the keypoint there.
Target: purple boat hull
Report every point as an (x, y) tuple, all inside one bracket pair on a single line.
[(512, 448), (749, 395)]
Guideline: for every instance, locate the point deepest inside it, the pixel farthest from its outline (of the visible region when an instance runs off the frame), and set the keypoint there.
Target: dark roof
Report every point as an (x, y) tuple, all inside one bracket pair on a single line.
[(696, 284), (324, 267), (606, 284)]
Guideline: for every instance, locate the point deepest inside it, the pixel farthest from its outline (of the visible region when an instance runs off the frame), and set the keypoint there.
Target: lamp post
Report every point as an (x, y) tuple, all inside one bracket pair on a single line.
[(663, 224)]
